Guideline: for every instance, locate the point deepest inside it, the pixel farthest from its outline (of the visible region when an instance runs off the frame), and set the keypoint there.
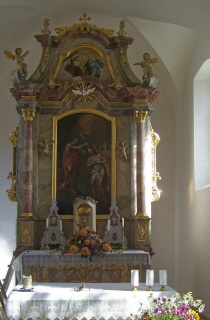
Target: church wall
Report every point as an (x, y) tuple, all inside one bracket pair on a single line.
[(192, 207)]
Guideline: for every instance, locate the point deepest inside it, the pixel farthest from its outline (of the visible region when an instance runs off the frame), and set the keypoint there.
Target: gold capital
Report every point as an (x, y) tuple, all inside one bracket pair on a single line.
[(28, 114), (140, 116)]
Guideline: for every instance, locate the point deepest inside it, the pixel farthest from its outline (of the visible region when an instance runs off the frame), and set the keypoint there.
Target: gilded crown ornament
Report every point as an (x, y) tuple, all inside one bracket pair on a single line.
[(84, 27)]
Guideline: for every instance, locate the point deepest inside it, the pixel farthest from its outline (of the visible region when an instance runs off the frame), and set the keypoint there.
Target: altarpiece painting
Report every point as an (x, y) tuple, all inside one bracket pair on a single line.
[(84, 159)]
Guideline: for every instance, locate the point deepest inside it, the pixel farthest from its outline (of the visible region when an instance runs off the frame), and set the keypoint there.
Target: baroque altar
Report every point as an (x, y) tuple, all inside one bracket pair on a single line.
[(84, 132)]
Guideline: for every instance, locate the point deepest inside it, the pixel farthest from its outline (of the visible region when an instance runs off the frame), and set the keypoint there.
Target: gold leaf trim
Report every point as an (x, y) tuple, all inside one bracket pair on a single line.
[(84, 27)]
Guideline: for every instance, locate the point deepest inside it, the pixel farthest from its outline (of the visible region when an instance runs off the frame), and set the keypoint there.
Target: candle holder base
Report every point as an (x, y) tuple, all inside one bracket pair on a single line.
[(163, 289), (134, 289), (46, 247), (149, 288)]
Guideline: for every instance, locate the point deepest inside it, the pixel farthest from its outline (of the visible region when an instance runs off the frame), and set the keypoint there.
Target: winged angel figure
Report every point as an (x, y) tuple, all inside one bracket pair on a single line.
[(19, 57)]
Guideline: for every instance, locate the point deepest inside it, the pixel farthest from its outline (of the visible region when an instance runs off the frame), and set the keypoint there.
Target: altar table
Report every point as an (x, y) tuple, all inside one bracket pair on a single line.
[(52, 266), (66, 301)]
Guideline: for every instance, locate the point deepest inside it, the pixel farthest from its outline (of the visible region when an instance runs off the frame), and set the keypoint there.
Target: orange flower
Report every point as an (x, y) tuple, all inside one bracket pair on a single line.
[(82, 233), (88, 229), (106, 247), (93, 242), (84, 251), (68, 242), (73, 249), (87, 242), (99, 241)]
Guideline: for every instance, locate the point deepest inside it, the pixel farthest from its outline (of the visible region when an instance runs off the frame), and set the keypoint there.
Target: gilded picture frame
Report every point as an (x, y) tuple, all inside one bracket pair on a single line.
[(84, 159)]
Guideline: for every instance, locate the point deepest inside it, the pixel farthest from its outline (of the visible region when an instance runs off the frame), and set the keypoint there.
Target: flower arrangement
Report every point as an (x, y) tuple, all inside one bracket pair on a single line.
[(176, 307), (87, 243)]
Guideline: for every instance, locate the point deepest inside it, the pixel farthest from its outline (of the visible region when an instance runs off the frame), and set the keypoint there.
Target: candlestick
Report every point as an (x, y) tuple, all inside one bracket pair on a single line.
[(149, 279), (108, 225), (163, 279), (134, 279), (123, 222), (47, 223), (46, 246), (61, 240), (61, 225), (123, 247)]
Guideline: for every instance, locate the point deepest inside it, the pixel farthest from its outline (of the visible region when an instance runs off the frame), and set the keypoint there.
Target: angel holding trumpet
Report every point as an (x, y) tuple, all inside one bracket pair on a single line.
[(19, 57)]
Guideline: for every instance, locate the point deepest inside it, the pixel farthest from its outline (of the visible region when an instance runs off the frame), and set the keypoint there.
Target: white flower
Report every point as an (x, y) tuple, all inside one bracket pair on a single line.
[(196, 303), (201, 308)]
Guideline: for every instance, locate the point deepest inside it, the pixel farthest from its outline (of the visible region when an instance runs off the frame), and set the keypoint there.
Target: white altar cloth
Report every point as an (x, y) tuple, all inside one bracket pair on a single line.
[(60, 300), (53, 258)]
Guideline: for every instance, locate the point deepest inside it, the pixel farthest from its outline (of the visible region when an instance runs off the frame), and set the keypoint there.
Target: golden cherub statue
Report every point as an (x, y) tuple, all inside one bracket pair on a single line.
[(147, 65), (19, 57)]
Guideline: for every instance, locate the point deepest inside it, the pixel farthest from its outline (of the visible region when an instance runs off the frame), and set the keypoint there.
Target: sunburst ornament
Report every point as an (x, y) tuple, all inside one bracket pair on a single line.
[(84, 91)]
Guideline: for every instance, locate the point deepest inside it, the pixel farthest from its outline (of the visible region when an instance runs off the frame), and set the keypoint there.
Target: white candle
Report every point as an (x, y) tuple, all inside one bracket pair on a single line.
[(163, 277), (108, 225), (61, 225), (47, 222), (123, 222), (135, 278), (149, 277)]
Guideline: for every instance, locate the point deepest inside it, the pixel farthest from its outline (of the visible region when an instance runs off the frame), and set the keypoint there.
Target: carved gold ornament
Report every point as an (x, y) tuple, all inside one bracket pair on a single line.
[(84, 27), (122, 32), (141, 232), (84, 92), (12, 174), (122, 57), (140, 116), (82, 272), (28, 114), (46, 30), (26, 232), (156, 193), (12, 191)]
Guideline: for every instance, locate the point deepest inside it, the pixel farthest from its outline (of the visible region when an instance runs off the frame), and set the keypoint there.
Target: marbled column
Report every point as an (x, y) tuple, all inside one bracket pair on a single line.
[(140, 117), (28, 115), (141, 194)]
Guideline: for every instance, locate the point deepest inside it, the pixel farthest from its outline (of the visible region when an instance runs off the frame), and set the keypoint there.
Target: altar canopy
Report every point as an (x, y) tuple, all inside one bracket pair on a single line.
[(84, 132)]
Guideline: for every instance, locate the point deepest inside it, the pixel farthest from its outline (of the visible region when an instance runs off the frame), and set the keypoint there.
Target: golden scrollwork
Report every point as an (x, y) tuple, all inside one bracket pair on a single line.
[(141, 232), (26, 233), (13, 136), (82, 271), (84, 27), (12, 174), (140, 116), (12, 191), (156, 193), (28, 114), (155, 138)]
